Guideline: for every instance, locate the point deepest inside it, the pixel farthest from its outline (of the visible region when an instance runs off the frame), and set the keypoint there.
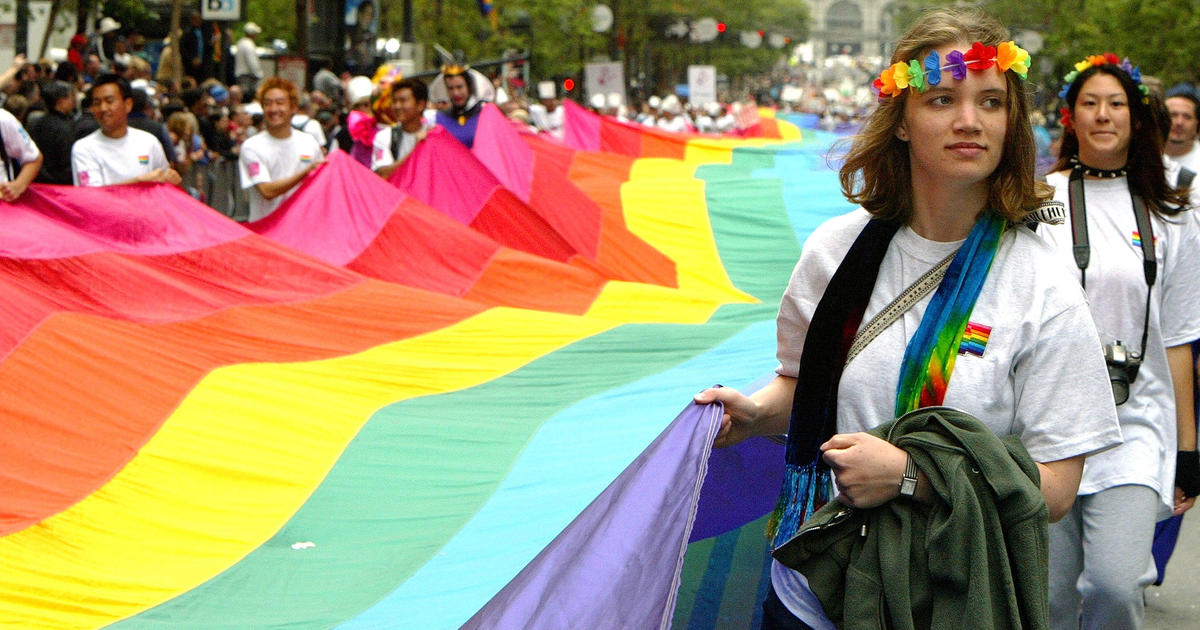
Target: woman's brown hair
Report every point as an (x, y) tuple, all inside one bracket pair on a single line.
[(876, 173)]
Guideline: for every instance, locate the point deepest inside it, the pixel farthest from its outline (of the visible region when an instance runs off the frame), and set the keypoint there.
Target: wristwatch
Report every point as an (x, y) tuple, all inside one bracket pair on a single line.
[(908, 484)]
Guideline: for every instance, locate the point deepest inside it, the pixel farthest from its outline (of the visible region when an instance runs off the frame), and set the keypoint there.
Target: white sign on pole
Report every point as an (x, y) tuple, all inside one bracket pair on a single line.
[(221, 10), (604, 78), (702, 85)]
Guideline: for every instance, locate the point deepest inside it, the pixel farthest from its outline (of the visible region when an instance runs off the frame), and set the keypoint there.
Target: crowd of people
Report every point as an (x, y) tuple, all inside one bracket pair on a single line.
[(89, 120)]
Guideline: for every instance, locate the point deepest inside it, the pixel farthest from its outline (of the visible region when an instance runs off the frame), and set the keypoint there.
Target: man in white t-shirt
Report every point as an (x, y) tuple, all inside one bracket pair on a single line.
[(18, 146), (117, 153), (246, 67), (546, 114), (303, 119), (1181, 145), (394, 146), (275, 160)]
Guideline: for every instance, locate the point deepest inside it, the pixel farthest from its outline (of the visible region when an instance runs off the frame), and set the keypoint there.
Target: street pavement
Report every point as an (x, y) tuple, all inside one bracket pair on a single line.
[(1176, 604)]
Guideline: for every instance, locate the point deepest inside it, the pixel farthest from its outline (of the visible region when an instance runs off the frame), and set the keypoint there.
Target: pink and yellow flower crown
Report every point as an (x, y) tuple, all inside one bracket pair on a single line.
[(921, 75)]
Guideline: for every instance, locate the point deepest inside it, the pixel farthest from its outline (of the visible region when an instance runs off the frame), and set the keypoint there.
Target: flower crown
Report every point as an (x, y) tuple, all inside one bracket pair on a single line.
[(921, 75), (1098, 60)]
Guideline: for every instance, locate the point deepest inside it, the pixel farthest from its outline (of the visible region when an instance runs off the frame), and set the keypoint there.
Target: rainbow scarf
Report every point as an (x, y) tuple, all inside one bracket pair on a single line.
[(924, 374), (929, 357)]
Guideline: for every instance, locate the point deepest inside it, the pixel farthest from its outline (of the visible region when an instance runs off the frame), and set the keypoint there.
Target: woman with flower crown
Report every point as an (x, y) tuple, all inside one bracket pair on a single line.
[(1136, 252), (944, 172)]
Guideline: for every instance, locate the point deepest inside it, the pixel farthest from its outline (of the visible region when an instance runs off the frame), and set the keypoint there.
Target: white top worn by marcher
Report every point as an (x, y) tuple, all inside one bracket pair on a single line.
[(1040, 376), (265, 158), (1116, 289), (98, 160), (676, 124), (1191, 159), (550, 121), (245, 59), (381, 150), (310, 126), (17, 144)]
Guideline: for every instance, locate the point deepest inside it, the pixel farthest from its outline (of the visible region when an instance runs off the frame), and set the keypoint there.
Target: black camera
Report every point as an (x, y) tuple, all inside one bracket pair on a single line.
[(1123, 367)]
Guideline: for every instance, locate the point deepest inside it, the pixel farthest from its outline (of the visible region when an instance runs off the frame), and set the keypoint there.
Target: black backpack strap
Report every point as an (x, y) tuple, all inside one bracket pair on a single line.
[(1079, 233), (1186, 175), (8, 165), (397, 138)]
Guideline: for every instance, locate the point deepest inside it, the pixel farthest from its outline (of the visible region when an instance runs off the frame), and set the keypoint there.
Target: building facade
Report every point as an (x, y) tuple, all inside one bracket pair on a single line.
[(852, 27)]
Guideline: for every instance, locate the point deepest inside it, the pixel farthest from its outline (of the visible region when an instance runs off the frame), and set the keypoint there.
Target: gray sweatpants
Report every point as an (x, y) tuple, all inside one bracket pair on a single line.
[(1100, 562)]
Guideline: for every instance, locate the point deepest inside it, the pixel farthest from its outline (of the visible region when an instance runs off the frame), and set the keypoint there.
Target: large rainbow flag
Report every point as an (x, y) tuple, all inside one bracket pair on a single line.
[(456, 398)]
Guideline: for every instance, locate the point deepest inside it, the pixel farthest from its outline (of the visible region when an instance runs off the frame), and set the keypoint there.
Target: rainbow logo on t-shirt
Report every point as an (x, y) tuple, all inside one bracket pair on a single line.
[(143, 159), (305, 158), (1137, 239), (974, 339)]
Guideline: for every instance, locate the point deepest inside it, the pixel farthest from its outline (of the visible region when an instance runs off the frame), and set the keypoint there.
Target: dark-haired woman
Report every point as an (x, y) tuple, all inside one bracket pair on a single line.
[(1136, 251)]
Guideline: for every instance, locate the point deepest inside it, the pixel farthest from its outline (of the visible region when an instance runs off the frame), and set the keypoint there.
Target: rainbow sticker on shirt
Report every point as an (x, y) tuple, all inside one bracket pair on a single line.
[(305, 158), (974, 339), (143, 159), (1137, 239)]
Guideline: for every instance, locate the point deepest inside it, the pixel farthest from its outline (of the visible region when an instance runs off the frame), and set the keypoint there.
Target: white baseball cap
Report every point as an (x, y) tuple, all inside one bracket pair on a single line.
[(108, 25)]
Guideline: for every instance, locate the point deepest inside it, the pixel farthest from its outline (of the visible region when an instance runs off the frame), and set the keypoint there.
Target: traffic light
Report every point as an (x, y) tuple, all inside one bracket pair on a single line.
[(568, 87)]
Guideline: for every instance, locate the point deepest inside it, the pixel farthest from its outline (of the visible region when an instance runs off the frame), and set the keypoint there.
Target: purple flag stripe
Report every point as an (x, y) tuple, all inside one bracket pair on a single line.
[(617, 565)]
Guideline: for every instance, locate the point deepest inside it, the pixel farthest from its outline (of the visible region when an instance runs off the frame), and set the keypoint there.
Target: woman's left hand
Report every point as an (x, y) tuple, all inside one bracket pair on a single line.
[(868, 469), (1182, 503)]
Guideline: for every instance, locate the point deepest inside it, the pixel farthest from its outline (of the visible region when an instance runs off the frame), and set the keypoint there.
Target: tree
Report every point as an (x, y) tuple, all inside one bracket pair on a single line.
[(559, 37), (1159, 37), (277, 18)]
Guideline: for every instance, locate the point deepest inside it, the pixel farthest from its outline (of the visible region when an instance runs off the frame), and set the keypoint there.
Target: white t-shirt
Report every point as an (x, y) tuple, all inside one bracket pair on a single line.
[(546, 120), (1190, 160), (98, 160), (17, 143), (381, 149), (265, 158), (1173, 171), (676, 124), (1116, 289), (310, 126), (246, 59), (1040, 338)]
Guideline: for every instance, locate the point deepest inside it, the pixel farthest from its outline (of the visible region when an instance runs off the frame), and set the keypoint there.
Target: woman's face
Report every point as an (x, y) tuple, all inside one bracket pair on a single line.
[(1102, 122), (956, 129), (456, 89)]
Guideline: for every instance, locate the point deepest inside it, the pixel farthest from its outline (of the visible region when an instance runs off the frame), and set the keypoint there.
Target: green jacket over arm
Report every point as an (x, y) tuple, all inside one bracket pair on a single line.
[(976, 558)]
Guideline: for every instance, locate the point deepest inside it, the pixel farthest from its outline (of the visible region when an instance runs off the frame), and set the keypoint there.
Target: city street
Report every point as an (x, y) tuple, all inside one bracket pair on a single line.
[(1176, 604)]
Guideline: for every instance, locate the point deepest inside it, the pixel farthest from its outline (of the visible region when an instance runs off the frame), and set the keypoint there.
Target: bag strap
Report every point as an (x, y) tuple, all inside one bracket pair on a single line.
[(1080, 239), (907, 298), (1186, 175), (1079, 232), (8, 165), (1149, 264)]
